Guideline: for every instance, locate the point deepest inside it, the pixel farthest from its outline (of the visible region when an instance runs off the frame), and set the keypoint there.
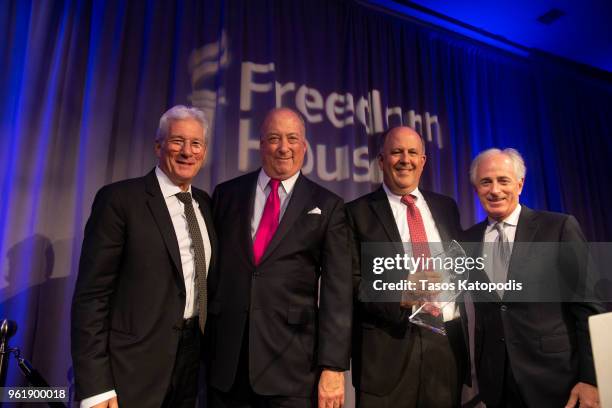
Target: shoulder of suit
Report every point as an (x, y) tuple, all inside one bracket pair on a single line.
[(121, 193), (199, 193), (128, 186), (475, 232), (550, 217), (364, 200), (430, 195), (319, 190), (237, 183)]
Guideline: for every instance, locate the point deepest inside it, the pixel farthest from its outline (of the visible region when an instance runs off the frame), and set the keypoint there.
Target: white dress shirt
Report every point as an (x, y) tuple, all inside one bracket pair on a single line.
[(261, 195), (399, 211), (176, 208), (399, 214)]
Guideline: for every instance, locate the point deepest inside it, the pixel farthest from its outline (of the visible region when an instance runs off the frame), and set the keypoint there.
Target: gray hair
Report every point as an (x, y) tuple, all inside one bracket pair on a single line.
[(515, 157), (181, 112)]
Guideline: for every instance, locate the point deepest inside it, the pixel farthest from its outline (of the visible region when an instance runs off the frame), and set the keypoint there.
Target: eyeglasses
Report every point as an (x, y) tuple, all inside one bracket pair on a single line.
[(176, 144)]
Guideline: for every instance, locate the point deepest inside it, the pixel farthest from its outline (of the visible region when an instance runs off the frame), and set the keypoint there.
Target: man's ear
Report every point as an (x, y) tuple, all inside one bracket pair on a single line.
[(157, 147)]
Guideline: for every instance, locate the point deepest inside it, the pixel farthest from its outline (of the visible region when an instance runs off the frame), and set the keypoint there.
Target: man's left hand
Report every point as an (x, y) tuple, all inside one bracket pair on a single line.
[(585, 395), (331, 389)]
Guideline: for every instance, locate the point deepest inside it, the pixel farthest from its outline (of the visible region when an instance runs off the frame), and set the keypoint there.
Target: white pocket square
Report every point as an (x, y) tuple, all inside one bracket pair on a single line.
[(315, 210)]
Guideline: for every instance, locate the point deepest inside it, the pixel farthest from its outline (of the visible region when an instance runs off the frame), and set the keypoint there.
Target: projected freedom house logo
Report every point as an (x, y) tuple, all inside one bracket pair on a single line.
[(204, 66), (337, 109)]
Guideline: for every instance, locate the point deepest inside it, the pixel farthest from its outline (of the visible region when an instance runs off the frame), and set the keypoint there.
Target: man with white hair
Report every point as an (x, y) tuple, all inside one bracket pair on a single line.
[(529, 351), (139, 306)]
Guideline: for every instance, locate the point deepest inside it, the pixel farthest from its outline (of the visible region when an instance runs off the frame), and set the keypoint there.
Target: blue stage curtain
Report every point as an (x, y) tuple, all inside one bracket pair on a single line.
[(83, 83)]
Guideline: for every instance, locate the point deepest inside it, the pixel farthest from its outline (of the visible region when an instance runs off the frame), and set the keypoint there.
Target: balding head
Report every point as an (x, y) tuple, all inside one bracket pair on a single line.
[(402, 159), (282, 143)]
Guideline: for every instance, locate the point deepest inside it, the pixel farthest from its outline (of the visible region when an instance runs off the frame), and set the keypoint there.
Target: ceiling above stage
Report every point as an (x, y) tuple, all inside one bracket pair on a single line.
[(580, 31)]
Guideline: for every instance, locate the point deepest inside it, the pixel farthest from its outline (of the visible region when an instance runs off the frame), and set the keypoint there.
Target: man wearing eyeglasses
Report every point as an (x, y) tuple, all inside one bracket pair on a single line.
[(139, 307)]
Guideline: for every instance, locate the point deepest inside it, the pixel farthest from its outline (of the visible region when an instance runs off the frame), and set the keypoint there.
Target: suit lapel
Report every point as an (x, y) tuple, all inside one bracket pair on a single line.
[(245, 211), (525, 232), (475, 235), (160, 213), (208, 220), (474, 239), (527, 225), (300, 197), (381, 208)]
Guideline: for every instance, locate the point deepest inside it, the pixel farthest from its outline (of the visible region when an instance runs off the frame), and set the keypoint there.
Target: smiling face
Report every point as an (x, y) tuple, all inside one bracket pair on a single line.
[(402, 160), (498, 186), (282, 144), (182, 152)]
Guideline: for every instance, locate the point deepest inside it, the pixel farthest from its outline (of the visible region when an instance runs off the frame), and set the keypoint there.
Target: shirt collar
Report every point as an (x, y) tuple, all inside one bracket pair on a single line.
[(288, 184), (511, 220), (168, 188), (398, 198)]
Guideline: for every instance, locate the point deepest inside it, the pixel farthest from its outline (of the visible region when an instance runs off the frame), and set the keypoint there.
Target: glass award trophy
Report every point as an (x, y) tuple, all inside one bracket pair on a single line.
[(434, 310)]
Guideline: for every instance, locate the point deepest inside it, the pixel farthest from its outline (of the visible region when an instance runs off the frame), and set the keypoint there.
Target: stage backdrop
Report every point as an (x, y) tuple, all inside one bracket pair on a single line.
[(83, 83)]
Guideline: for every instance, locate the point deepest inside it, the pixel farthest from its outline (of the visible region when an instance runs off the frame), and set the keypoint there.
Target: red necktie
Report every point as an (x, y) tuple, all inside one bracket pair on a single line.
[(418, 239), (268, 223), (418, 236)]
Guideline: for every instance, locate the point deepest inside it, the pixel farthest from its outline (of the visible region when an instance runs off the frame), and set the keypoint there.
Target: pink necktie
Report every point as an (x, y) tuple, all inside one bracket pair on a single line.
[(268, 223)]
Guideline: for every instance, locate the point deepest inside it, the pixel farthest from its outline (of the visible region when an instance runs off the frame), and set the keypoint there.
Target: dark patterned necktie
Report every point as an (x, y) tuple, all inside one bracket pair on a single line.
[(501, 256), (199, 256)]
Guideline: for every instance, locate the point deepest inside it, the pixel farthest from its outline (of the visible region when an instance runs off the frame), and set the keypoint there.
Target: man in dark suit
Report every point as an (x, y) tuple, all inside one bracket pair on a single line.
[(396, 363), (139, 305), (276, 333), (528, 353)]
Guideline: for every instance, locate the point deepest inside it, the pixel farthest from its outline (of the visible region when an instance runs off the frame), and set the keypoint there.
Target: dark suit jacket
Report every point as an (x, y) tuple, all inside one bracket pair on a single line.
[(289, 336), (380, 328), (130, 294), (547, 343)]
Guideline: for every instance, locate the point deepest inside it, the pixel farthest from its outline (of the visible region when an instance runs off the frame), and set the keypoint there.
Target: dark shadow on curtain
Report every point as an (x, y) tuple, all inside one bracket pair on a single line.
[(37, 305)]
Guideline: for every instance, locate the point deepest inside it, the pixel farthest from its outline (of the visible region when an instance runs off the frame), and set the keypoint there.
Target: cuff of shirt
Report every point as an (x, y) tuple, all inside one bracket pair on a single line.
[(96, 399)]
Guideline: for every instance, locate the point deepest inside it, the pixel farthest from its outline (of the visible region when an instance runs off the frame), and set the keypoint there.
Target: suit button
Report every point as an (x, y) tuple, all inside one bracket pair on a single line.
[(503, 339), (504, 308)]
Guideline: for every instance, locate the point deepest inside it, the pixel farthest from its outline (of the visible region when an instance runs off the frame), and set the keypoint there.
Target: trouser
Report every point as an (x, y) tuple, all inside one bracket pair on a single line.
[(183, 388)]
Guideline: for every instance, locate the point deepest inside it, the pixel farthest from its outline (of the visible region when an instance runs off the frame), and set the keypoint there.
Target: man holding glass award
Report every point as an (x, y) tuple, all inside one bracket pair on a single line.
[(401, 355)]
